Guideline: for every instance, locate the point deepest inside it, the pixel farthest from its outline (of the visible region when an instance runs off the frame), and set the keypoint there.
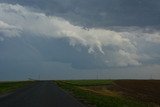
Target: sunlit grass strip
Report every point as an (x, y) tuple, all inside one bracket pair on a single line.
[(102, 92)]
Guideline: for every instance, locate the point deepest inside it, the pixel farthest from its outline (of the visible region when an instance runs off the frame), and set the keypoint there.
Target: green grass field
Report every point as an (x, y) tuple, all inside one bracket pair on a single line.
[(91, 98), (89, 82), (6, 87)]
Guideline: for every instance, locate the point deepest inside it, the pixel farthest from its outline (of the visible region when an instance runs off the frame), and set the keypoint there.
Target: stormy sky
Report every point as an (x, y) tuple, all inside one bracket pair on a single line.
[(77, 39)]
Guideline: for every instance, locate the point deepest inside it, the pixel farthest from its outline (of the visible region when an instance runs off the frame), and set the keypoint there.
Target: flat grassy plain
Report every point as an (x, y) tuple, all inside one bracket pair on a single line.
[(103, 93), (89, 82), (6, 87)]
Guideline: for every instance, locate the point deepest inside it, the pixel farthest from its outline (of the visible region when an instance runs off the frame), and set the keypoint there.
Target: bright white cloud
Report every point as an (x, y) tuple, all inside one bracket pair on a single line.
[(115, 48), (155, 38), (9, 30)]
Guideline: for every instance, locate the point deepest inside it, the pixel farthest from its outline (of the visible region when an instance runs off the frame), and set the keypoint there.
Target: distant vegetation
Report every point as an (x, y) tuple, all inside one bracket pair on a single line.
[(95, 93), (6, 87)]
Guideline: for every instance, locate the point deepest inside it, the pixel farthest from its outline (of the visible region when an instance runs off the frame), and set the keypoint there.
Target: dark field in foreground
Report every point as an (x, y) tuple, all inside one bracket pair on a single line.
[(145, 90), (116, 93)]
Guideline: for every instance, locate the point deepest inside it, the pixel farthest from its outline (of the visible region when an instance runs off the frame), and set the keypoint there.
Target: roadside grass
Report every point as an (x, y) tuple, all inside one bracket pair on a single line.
[(6, 87), (77, 89), (89, 82)]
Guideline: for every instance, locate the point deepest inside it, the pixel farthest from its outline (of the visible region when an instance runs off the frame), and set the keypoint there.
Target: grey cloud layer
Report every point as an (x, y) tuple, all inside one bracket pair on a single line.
[(99, 13), (35, 35)]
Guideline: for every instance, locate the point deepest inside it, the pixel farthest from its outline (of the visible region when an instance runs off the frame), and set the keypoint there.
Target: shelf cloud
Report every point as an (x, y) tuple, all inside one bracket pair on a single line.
[(94, 47)]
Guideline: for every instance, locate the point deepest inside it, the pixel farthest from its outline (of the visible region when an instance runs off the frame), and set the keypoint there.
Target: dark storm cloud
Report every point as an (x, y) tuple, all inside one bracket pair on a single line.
[(30, 35), (49, 37), (100, 13)]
